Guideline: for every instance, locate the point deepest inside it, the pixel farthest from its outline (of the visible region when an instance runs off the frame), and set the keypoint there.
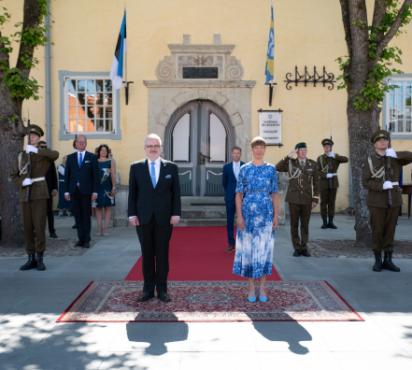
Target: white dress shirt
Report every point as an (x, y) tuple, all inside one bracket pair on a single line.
[(157, 167), (236, 169)]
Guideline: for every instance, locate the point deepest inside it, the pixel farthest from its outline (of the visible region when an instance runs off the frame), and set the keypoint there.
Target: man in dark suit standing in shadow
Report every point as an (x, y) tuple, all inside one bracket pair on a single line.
[(81, 183), (154, 208), (229, 179)]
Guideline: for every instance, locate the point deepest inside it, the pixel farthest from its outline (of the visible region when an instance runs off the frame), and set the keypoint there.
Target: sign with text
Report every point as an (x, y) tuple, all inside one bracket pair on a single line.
[(270, 127)]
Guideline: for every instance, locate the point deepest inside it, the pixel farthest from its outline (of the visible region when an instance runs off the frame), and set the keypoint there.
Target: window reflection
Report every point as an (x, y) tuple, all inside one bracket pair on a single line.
[(90, 105)]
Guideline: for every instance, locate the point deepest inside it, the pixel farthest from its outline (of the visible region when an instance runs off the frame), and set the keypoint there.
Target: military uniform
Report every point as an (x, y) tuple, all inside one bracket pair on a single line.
[(328, 181), (381, 179), (303, 190), (32, 168)]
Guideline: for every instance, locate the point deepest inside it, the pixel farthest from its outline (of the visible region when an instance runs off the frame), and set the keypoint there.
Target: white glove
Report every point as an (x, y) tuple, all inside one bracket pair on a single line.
[(387, 185), (331, 155), (26, 182), (329, 175), (31, 149), (391, 153)]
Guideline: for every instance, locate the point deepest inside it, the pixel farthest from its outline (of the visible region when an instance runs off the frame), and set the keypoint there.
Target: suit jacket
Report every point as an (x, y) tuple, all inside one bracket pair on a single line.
[(303, 185), (87, 175), (51, 178), (40, 163), (391, 169), (162, 202), (329, 165), (229, 181)]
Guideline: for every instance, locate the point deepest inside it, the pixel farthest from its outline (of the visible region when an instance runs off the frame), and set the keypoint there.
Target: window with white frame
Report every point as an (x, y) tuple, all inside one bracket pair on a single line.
[(398, 106), (90, 105)]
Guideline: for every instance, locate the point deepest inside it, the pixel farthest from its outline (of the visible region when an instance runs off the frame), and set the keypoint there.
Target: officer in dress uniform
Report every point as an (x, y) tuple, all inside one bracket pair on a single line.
[(302, 194), (381, 178), (328, 164), (33, 164)]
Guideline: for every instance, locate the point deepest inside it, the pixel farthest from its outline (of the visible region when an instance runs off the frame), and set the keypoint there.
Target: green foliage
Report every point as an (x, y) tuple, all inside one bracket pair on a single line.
[(19, 85), (381, 65)]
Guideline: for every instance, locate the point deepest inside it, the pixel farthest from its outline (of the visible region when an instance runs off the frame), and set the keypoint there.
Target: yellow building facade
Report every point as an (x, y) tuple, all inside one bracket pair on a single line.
[(171, 47)]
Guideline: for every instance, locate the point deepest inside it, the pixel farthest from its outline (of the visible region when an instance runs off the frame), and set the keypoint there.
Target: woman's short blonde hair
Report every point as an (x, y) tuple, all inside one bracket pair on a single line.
[(258, 140)]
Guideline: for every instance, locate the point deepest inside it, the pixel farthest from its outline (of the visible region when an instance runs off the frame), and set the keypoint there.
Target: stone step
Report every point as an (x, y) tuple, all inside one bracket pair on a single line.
[(202, 222)]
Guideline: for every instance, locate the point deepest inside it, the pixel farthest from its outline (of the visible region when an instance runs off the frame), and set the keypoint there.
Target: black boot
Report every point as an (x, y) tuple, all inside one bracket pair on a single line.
[(331, 225), (325, 222), (40, 264), (378, 262), (30, 264), (388, 264)]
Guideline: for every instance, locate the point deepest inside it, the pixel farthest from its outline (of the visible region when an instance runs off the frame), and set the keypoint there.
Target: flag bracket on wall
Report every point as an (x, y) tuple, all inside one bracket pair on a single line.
[(126, 90), (271, 86)]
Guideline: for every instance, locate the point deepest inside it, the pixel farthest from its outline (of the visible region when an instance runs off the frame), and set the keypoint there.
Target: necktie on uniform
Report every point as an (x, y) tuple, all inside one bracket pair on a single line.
[(80, 159), (153, 173)]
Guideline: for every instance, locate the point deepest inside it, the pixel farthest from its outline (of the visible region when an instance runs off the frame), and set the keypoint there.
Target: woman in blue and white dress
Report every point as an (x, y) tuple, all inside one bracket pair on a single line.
[(257, 205)]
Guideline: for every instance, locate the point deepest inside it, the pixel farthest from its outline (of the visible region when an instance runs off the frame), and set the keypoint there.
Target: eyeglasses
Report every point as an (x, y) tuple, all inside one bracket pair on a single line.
[(152, 146)]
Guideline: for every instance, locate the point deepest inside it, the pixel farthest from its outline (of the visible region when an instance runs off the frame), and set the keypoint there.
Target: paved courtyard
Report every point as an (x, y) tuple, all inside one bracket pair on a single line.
[(30, 303)]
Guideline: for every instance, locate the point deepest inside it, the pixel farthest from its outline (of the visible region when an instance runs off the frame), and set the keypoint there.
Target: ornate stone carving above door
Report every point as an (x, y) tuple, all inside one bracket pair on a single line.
[(196, 55), (211, 73)]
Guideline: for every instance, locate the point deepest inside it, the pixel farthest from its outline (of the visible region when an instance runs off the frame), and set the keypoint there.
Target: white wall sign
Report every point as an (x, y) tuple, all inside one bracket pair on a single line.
[(270, 127)]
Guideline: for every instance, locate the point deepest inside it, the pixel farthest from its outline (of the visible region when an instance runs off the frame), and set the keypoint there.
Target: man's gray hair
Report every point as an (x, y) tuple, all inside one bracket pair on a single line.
[(151, 137)]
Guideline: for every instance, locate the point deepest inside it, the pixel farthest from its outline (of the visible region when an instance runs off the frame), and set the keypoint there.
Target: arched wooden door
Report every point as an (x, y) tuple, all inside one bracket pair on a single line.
[(198, 139)]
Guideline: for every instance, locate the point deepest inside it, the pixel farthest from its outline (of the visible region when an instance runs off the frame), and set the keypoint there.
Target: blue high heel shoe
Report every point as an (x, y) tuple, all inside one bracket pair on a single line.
[(263, 298), (251, 299)]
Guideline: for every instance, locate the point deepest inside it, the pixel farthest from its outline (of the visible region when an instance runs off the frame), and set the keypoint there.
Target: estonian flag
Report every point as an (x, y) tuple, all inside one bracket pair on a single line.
[(116, 73), (270, 56)]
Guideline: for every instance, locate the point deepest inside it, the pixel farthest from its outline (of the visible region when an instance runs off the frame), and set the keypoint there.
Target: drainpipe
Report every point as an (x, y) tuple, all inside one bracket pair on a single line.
[(47, 67)]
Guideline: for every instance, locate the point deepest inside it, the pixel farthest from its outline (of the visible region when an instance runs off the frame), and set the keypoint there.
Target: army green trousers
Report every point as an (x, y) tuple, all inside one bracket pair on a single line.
[(34, 222), (299, 213), (383, 224), (327, 202)]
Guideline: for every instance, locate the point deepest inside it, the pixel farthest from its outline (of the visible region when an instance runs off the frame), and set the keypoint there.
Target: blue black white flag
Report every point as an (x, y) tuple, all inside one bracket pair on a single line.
[(117, 71)]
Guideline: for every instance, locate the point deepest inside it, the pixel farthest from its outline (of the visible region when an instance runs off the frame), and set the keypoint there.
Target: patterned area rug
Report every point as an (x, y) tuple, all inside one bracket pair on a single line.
[(209, 301)]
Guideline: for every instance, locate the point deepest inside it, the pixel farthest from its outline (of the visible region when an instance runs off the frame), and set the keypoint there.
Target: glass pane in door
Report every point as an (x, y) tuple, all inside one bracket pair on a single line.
[(217, 138), (181, 139)]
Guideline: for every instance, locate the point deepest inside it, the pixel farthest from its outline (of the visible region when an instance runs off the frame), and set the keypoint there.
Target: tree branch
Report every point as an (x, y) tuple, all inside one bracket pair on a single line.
[(4, 56), (31, 19), (346, 24), (394, 28), (379, 12)]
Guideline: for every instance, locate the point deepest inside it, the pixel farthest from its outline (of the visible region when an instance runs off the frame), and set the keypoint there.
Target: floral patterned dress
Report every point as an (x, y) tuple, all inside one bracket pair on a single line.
[(254, 244)]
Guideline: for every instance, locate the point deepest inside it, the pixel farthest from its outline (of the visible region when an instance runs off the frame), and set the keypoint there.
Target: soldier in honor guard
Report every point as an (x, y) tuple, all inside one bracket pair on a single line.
[(328, 164), (302, 194), (33, 164), (381, 174)]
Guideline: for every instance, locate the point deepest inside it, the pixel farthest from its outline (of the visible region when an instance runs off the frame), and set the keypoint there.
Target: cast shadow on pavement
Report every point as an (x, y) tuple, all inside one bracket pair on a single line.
[(157, 334)]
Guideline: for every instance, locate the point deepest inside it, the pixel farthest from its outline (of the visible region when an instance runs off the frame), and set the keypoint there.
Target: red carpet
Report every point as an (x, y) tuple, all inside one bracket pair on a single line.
[(198, 253)]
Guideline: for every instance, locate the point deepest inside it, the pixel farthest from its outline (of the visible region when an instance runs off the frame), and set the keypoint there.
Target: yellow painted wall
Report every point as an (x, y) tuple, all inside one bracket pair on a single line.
[(308, 33)]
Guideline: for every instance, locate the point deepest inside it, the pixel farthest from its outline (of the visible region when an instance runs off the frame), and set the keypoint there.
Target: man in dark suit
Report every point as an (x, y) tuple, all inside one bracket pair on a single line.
[(154, 208), (81, 183), (229, 180), (51, 180)]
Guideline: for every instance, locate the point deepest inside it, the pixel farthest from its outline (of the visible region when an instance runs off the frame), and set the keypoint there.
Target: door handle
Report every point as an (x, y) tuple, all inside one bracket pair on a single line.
[(201, 158)]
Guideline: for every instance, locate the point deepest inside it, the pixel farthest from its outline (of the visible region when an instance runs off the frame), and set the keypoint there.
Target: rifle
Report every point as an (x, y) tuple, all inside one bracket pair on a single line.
[(28, 187), (388, 175)]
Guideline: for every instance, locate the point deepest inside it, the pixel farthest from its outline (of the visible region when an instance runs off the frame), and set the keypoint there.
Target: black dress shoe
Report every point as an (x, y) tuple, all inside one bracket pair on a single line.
[(53, 235), (296, 253), (79, 244), (164, 297), (305, 253), (145, 297), (86, 245)]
